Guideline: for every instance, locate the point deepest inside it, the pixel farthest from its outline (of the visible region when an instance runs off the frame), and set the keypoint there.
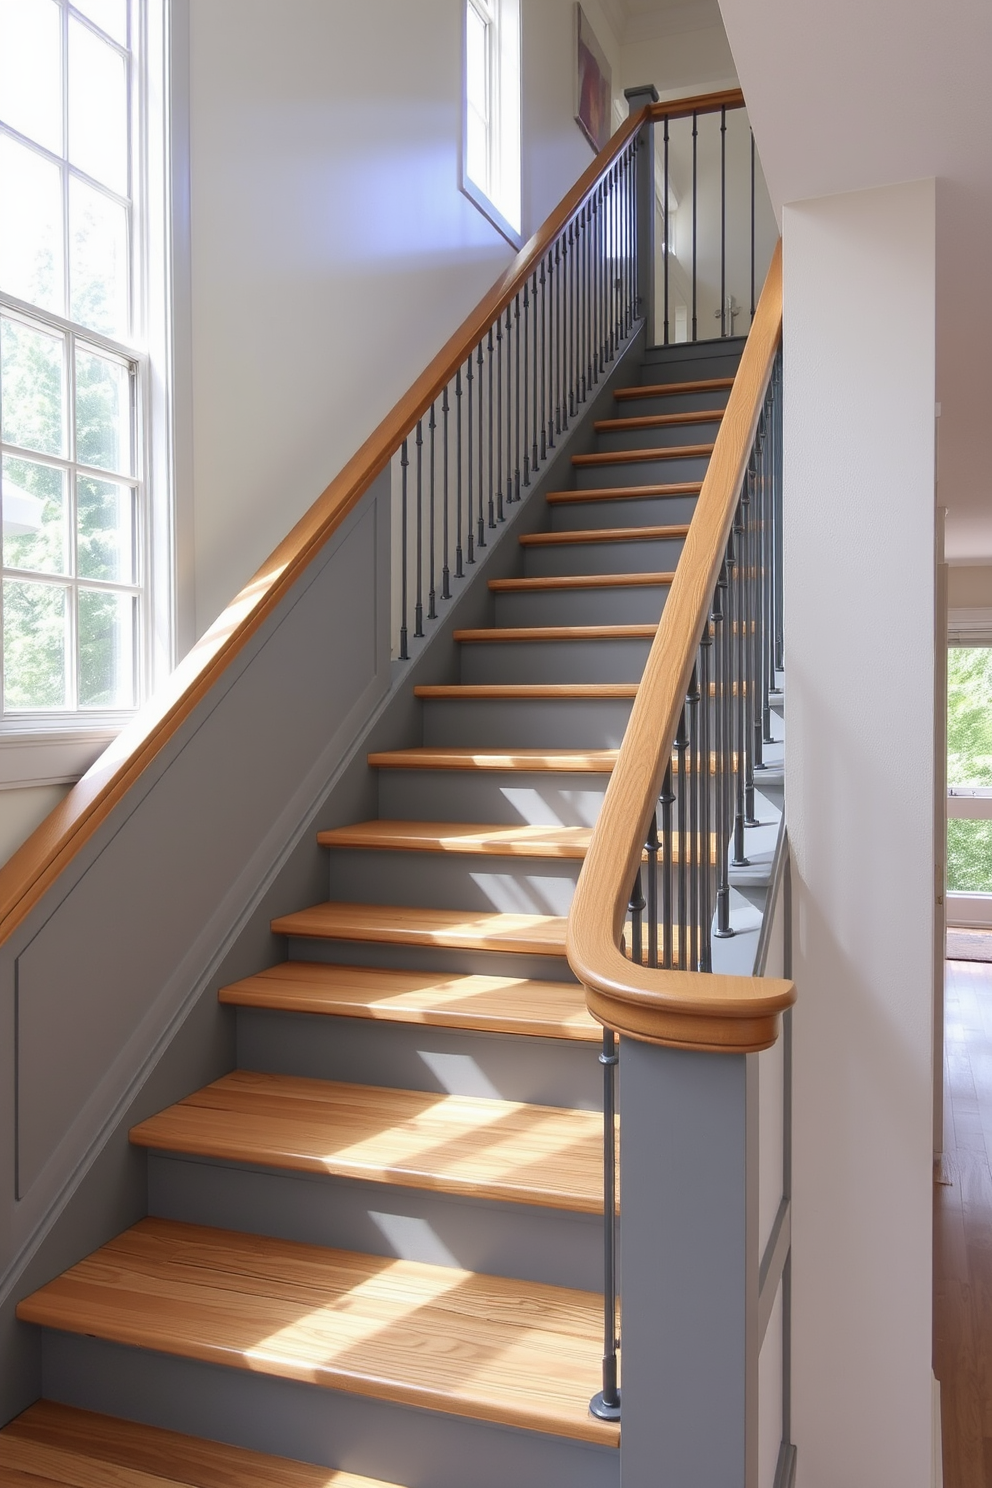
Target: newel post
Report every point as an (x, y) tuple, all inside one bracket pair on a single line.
[(689, 1279), (637, 98)]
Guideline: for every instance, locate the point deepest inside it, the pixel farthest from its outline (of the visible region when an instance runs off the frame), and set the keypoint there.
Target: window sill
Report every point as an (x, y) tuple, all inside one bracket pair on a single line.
[(491, 212), (53, 754)]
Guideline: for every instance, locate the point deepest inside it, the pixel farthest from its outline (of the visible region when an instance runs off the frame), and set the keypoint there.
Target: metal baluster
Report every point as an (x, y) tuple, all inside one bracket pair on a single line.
[(667, 801), (752, 226), (534, 461), (681, 749), (469, 465), (777, 519), (606, 1403), (741, 742), (432, 517), (668, 235), (459, 570), (694, 180), (767, 574), (526, 389), (404, 540), (544, 367), (756, 633), (752, 741), (499, 418), (636, 907), (481, 528), (554, 349), (723, 741), (572, 313), (418, 609), (705, 795), (723, 224), (445, 569), (697, 861), (652, 895), (489, 442), (516, 393)]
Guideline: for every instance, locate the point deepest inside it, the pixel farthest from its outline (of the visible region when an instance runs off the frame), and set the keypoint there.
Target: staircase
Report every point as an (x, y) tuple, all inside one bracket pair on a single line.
[(377, 1244)]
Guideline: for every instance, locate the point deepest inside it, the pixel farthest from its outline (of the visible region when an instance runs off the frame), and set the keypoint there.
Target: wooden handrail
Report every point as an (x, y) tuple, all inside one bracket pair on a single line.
[(706, 103), (48, 851), (679, 1008)]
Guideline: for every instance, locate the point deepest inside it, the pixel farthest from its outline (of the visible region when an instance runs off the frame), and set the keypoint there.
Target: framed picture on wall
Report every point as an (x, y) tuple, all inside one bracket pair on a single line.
[(593, 84)]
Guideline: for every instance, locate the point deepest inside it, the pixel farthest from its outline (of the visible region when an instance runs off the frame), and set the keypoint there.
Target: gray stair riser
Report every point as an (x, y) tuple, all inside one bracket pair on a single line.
[(692, 361), (657, 436), (630, 511), (642, 472), (468, 881), (641, 555), (700, 402), (397, 1443), (553, 661), (418, 1056), (527, 1241), (506, 798), (541, 723), (639, 604), (449, 960)]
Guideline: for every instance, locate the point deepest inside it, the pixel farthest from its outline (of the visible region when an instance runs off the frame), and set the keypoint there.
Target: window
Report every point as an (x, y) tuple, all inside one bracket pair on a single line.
[(76, 396), (491, 144), (969, 770)]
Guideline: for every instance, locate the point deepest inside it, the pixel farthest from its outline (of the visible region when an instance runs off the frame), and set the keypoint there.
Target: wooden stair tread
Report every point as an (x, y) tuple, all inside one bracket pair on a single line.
[(461, 837), (518, 1353), (542, 935), (537, 690), (625, 493), (558, 633), (487, 1004), (582, 581), (566, 761), (605, 534), (658, 420), (661, 389), (508, 1151), (59, 1444), (663, 452)]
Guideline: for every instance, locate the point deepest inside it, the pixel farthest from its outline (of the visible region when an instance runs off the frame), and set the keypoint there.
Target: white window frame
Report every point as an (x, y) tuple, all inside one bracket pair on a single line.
[(38, 749), (498, 198)]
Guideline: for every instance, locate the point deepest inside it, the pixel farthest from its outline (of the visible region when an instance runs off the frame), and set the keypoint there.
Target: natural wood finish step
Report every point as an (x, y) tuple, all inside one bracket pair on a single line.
[(657, 420), (625, 457), (559, 633), (461, 837), (57, 1444), (606, 535), (541, 935), (583, 581), (625, 493), (518, 1353), (662, 389), (465, 691), (562, 761), (508, 1151), (485, 1004)]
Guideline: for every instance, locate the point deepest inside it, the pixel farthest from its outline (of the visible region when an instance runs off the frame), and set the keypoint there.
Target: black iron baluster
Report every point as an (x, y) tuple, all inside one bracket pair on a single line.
[(459, 570), (432, 517), (490, 441), (668, 235), (747, 649), (697, 859), (469, 466), (681, 750), (667, 801), (705, 796), (554, 350), (741, 742), (723, 742), (499, 418), (752, 225), (516, 391), (418, 609), (777, 521), (480, 540), (526, 387), (651, 870), (544, 367), (445, 567), (606, 1404), (767, 575), (695, 132), (404, 540), (636, 907), (756, 632), (570, 323), (723, 224)]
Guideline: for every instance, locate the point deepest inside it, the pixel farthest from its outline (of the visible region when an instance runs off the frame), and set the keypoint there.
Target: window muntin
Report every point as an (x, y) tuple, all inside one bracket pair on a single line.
[(72, 465), (969, 769)]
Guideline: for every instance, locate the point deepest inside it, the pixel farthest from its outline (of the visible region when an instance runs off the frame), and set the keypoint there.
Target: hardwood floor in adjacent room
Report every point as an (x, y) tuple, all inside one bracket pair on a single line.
[(963, 1230)]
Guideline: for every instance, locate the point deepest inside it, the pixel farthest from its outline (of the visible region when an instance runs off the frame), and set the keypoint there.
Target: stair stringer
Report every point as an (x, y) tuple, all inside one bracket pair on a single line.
[(209, 858)]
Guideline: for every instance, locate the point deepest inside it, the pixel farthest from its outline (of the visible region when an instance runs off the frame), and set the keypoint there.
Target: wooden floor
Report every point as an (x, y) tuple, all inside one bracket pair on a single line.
[(963, 1230)]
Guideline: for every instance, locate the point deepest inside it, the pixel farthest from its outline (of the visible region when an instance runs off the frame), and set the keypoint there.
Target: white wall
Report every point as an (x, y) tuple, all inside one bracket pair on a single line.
[(859, 317)]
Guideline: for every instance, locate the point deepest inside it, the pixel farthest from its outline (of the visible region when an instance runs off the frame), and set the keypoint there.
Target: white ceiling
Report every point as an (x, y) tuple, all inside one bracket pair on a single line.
[(852, 94), (642, 20)]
